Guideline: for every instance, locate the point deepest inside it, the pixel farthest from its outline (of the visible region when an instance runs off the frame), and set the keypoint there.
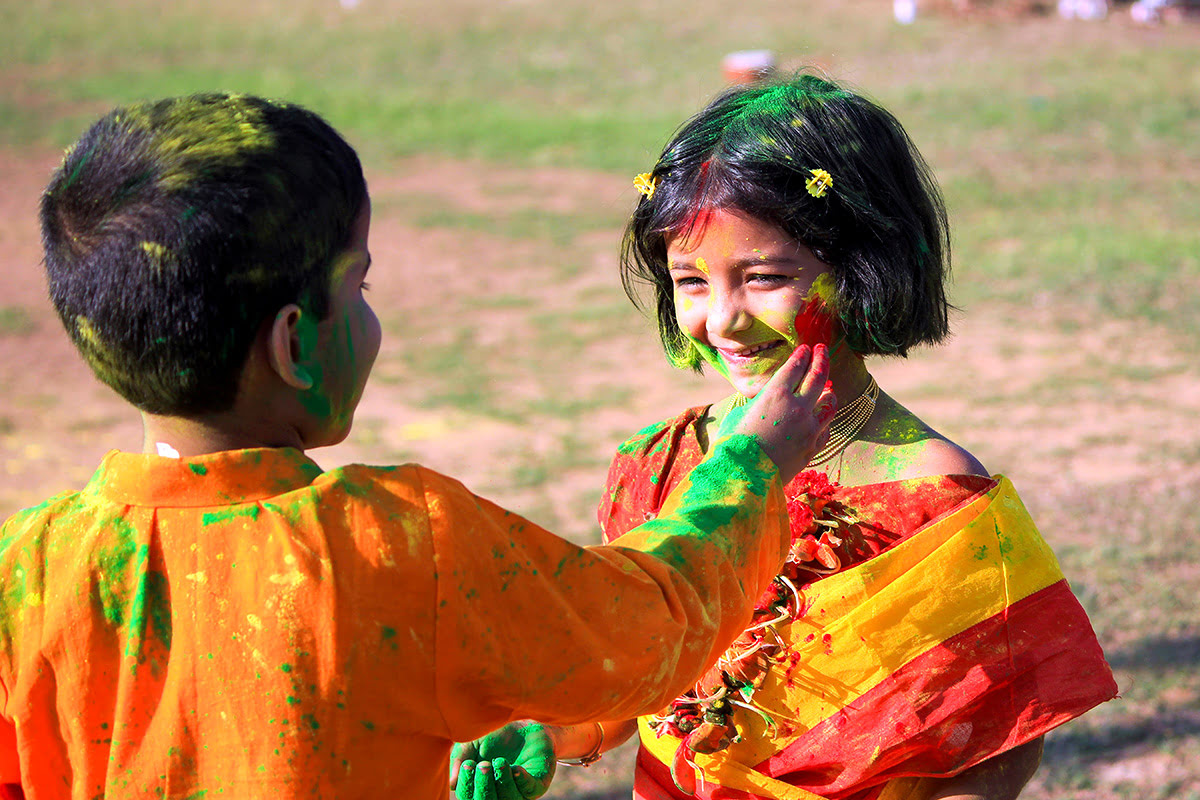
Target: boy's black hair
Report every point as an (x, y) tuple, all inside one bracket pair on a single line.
[(174, 229), (881, 226)]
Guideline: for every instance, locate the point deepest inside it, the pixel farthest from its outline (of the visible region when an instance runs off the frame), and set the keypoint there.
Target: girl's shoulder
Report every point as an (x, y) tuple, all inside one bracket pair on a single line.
[(646, 467), (899, 445), (656, 436)]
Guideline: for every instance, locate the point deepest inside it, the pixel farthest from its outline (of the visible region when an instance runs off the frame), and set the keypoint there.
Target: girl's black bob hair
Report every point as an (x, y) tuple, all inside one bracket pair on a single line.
[(881, 226)]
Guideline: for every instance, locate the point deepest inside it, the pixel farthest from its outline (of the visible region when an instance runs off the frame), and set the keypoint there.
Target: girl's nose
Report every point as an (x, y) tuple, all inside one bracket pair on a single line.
[(726, 314)]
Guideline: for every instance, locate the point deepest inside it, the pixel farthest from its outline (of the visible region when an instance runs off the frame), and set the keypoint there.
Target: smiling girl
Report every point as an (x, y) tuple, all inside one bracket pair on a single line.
[(921, 639)]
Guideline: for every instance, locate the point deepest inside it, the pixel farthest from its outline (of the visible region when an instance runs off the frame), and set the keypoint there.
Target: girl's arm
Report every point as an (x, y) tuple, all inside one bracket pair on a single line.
[(999, 778)]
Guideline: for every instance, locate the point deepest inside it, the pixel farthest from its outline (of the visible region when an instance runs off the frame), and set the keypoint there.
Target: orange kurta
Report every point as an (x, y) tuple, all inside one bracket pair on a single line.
[(244, 624)]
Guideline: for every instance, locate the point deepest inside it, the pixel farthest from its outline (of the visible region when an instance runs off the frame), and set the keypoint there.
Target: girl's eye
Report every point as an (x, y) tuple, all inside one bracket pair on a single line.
[(768, 279), (689, 282), (366, 287)]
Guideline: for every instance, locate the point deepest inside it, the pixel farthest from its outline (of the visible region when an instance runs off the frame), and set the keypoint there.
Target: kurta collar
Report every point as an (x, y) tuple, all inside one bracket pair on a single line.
[(225, 478)]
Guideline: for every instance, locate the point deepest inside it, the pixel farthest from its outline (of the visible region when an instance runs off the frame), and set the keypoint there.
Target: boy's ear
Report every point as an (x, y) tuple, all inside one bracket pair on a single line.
[(284, 348)]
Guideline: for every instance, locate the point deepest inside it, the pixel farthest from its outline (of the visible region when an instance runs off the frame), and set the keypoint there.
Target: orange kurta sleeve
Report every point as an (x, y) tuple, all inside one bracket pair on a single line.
[(10, 768), (532, 625)]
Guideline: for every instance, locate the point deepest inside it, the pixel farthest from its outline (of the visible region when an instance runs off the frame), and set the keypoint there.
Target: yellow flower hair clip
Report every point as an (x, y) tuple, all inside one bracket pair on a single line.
[(819, 183), (646, 184)]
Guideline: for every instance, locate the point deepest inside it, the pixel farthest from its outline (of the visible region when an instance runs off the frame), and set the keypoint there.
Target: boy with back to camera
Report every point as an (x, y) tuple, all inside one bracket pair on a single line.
[(217, 615)]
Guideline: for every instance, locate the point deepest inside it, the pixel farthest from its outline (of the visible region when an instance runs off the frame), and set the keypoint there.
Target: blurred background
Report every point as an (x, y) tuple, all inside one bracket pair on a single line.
[(500, 139)]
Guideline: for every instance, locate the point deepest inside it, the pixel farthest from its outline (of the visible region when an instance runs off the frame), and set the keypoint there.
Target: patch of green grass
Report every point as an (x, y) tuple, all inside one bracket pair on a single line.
[(1127, 552), (15, 321)]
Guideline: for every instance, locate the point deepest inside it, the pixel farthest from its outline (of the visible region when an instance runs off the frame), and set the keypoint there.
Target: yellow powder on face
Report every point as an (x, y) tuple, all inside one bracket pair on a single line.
[(337, 272), (824, 288), (702, 265)]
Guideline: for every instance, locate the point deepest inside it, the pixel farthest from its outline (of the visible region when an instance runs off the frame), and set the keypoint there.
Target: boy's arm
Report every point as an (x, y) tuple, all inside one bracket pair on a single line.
[(531, 625)]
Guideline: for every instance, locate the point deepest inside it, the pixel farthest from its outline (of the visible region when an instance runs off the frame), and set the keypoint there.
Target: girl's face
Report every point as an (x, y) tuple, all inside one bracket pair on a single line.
[(747, 294)]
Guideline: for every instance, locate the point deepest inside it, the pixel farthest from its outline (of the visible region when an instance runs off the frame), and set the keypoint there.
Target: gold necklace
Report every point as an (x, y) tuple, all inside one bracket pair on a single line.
[(847, 423)]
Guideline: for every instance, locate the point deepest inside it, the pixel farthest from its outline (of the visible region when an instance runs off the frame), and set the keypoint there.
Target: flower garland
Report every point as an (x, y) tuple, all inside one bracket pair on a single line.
[(703, 717)]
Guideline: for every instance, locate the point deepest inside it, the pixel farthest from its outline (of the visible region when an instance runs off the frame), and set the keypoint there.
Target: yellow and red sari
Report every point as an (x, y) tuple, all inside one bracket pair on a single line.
[(945, 635)]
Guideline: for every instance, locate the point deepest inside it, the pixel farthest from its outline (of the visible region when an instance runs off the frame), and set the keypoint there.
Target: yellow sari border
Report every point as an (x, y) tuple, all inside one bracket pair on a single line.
[(866, 623)]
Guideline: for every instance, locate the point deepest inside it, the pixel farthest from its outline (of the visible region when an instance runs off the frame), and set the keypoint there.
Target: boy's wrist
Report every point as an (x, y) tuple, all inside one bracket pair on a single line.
[(744, 453)]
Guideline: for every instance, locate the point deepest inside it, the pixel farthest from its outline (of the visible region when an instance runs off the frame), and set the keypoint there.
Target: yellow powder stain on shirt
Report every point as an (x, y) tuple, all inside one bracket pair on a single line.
[(258, 656), (254, 621), (198, 577), (289, 579)]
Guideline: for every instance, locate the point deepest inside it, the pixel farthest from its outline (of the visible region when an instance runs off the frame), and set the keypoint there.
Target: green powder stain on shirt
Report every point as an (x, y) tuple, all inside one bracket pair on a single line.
[(199, 469), (227, 514), (639, 441)]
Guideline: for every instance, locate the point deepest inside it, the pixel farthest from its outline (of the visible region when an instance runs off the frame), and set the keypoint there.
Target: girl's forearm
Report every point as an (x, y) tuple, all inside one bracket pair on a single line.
[(999, 778), (578, 741)]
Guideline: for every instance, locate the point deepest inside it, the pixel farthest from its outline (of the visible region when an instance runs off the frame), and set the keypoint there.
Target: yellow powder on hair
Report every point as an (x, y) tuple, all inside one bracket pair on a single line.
[(157, 254), (95, 351), (200, 133)]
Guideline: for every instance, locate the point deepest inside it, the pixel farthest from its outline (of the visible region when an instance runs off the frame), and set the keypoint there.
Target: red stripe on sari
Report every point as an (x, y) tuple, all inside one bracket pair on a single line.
[(931, 719)]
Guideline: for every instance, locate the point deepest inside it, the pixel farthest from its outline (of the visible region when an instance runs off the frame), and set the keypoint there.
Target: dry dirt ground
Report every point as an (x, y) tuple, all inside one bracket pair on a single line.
[(1062, 413)]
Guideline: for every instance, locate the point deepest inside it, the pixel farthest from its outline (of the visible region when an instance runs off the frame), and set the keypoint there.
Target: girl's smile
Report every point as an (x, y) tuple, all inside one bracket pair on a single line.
[(746, 294)]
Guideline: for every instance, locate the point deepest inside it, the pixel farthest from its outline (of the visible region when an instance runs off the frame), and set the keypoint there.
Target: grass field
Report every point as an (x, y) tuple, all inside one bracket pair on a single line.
[(499, 139)]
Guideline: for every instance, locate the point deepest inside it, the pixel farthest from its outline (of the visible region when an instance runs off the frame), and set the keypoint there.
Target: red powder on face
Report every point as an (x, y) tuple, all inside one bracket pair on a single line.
[(814, 323)]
